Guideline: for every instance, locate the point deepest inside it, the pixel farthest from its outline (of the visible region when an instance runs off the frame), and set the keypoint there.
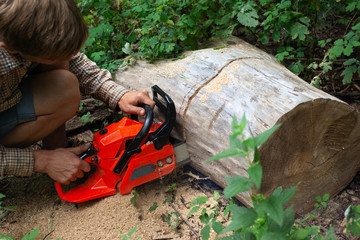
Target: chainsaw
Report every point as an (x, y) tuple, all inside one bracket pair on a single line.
[(130, 153)]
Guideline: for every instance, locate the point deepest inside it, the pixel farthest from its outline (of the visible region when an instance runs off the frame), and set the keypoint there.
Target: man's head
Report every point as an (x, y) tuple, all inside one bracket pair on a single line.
[(49, 29)]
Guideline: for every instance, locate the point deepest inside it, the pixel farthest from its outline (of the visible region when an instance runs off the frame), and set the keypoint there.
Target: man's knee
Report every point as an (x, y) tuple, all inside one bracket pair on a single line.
[(56, 91), (69, 88)]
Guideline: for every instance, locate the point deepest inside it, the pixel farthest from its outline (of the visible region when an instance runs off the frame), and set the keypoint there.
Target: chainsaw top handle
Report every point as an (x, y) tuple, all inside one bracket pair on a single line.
[(161, 136), (135, 144)]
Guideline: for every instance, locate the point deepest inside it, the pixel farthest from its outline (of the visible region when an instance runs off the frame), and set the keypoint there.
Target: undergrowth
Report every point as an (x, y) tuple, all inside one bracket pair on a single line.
[(312, 36)]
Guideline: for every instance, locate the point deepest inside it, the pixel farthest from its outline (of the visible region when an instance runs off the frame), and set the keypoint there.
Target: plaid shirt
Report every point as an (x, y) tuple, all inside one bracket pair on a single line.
[(13, 68)]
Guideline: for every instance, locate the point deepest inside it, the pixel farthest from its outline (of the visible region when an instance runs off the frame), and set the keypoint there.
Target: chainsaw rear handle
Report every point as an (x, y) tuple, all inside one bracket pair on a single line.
[(136, 143)]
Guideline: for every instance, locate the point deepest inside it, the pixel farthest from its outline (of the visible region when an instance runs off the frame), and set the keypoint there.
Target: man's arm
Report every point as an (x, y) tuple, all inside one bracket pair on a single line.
[(62, 164), (99, 84), (16, 161)]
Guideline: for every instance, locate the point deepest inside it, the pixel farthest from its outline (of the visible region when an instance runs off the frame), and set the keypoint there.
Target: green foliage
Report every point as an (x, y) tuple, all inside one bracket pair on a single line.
[(123, 31), (31, 236), (208, 215), (172, 219), (87, 118), (153, 207), (270, 217)]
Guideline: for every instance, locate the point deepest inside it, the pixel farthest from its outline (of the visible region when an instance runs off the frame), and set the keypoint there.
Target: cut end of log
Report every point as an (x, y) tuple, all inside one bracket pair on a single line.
[(315, 149)]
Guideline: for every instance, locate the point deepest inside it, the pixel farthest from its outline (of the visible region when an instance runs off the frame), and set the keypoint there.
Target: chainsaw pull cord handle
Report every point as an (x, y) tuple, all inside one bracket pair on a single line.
[(161, 136), (137, 142)]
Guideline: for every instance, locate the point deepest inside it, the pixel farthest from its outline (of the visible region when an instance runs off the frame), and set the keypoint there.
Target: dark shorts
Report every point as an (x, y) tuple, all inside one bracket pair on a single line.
[(20, 113)]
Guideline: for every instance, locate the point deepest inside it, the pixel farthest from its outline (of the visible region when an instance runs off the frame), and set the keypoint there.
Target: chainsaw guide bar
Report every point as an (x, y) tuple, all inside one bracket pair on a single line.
[(130, 153)]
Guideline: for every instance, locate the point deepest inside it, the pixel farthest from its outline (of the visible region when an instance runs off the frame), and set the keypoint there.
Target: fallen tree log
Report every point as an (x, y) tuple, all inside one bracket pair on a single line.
[(317, 144)]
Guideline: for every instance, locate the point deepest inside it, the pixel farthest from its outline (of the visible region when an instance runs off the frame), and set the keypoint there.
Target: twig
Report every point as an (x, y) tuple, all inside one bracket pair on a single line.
[(186, 222), (48, 234)]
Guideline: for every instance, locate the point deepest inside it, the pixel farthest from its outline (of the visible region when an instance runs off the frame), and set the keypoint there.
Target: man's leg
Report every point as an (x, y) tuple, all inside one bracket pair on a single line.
[(56, 99)]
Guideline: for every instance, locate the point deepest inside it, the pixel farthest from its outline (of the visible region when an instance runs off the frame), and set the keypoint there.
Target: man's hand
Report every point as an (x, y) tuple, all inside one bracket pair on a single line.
[(130, 101), (62, 164)]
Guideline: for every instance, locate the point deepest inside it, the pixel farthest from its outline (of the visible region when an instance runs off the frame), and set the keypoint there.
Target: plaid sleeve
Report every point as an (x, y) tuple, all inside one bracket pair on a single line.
[(16, 161), (95, 81)]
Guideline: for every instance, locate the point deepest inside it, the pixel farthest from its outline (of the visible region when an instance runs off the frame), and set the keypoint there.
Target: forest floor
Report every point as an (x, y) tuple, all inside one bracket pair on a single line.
[(38, 205)]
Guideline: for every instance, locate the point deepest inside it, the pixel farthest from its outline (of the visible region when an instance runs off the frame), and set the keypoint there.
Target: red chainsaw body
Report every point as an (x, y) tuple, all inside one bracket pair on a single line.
[(109, 145)]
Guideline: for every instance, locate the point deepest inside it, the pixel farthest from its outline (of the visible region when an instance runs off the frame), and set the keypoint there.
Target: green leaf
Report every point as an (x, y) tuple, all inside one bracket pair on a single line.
[(331, 234), (172, 219), (301, 234), (336, 52), (238, 129), (153, 207), (276, 35), (255, 174), (287, 194), (348, 74), (200, 200), (204, 217), (6, 237), (236, 184), (132, 231), (326, 197), (248, 16), (216, 195), (205, 232), (339, 42), (351, 61), (225, 154), (274, 209), (96, 56), (242, 218), (348, 50), (2, 196), (218, 227), (193, 210), (262, 137), (32, 235), (127, 48), (299, 30), (273, 235)]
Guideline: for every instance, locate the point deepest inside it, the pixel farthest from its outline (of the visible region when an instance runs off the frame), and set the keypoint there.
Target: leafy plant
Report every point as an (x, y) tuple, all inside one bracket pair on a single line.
[(270, 217), (87, 118), (208, 216)]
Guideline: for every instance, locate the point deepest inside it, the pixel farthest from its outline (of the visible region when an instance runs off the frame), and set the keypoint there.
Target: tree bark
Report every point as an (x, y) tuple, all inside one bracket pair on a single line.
[(316, 146)]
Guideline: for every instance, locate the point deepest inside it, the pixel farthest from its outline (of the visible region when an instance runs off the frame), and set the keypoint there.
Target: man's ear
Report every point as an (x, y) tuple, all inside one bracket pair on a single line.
[(3, 45)]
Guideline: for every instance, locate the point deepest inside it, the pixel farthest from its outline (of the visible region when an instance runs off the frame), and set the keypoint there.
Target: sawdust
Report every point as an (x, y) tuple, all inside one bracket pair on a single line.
[(106, 218)]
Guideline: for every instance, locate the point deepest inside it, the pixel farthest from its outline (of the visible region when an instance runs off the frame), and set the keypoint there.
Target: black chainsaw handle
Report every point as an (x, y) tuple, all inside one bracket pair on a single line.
[(136, 143), (161, 136)]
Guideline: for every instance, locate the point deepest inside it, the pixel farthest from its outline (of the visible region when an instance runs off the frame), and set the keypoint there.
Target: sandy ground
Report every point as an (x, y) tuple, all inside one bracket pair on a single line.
[(38, 206)]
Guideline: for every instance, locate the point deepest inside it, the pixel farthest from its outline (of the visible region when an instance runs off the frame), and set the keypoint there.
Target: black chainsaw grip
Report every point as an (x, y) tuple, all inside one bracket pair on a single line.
[(162, 135), (135, 144)]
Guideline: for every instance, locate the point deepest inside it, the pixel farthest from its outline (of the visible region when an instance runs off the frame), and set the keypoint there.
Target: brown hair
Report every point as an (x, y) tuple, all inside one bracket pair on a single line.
[(50, 29)]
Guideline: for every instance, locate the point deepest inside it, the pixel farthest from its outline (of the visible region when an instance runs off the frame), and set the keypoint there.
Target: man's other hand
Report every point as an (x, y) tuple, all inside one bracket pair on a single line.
[(62, 164), (129, 102)]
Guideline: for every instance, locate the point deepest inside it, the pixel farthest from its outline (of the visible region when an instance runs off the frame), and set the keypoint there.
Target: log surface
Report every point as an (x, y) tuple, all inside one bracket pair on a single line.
[(210, 86)]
